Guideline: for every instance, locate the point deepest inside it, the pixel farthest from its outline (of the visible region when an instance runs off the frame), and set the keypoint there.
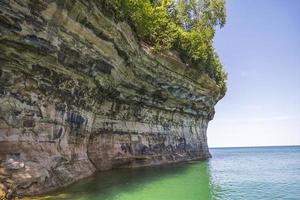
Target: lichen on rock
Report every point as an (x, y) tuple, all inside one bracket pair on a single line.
[(79, 93)]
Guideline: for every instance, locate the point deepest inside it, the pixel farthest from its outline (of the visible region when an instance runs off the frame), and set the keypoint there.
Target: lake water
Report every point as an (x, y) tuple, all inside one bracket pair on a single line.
[(232, 173)]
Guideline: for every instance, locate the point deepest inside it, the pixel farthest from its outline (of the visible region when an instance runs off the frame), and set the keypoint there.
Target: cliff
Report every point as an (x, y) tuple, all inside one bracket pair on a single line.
[(79, 93)]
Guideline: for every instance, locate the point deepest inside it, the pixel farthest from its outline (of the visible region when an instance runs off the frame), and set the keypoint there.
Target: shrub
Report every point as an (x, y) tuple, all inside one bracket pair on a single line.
[(185, 25)]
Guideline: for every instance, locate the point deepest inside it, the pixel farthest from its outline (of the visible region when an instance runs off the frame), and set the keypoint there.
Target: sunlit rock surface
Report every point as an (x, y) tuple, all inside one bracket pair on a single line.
[(78, 93)]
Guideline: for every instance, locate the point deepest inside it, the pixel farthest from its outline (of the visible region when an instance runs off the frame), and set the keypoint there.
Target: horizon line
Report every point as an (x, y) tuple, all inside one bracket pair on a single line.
[(294, 145)]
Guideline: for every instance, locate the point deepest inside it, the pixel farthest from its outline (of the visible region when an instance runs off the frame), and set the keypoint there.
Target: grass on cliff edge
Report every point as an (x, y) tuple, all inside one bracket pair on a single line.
[(187, 26)]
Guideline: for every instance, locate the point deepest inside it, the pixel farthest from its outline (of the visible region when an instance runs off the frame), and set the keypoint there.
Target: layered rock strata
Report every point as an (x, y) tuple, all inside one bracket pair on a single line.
[(79, 93)]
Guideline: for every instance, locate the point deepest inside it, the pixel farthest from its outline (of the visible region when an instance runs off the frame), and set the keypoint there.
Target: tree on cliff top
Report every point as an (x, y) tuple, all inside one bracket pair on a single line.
[(185, 25)]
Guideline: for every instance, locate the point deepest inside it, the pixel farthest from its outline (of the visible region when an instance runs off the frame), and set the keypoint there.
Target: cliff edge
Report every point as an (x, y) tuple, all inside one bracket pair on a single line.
[(79, 93)]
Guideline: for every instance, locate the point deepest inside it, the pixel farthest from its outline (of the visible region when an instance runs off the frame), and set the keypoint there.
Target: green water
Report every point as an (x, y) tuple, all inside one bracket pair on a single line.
[(232, 173)]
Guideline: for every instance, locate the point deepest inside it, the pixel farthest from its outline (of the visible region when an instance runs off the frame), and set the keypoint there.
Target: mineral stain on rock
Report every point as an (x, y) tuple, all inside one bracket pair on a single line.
[(82, 94)]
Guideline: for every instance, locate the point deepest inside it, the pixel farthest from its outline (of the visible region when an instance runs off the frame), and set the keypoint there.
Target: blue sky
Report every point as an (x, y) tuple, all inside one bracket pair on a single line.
[(260, 49)]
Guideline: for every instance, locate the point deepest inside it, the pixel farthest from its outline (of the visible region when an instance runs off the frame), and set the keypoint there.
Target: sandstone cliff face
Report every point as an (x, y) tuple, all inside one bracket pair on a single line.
[(78, 93)]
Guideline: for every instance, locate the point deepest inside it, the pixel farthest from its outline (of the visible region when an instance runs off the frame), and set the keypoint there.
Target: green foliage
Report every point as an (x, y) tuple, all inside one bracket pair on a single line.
[(185, 25)]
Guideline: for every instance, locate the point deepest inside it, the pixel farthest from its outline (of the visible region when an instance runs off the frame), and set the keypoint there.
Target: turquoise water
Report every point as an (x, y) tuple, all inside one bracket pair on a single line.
[(232, 173)]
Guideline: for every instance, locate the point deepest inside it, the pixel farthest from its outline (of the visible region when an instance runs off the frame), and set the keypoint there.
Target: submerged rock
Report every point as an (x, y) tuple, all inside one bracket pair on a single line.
[(79, 93)]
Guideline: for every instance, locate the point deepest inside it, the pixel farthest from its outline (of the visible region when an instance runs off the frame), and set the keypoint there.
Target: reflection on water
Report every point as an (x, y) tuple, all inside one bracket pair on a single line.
[(232, 174), (189, 181)]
